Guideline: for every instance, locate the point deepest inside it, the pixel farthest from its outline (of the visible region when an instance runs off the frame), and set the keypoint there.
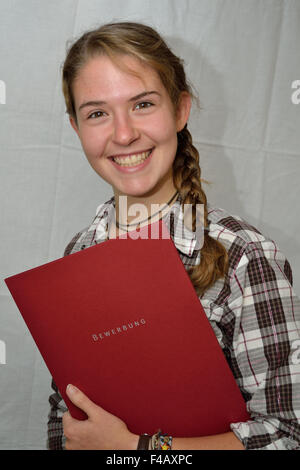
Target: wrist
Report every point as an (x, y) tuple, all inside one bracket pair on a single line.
[(133, 440)]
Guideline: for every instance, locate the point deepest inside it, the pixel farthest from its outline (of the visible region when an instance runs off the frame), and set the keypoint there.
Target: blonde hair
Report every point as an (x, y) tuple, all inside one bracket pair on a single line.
[(145, 44)]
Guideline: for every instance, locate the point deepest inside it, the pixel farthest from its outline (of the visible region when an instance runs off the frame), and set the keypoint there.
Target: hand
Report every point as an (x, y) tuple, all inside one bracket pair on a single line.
[(101, 430)]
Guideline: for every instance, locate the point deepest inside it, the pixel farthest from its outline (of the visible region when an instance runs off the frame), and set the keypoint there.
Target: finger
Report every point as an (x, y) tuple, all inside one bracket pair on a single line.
[(81, 400)]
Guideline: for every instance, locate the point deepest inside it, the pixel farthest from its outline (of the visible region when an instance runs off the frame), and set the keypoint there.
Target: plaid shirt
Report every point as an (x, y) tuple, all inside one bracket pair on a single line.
[(255, 315)]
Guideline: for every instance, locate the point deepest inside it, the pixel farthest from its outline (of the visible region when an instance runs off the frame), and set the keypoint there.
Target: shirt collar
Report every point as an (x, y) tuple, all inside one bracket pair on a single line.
[(185, 240)]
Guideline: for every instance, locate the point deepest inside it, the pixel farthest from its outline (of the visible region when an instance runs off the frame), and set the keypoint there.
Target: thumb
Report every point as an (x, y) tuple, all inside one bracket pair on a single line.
[(81, 400)]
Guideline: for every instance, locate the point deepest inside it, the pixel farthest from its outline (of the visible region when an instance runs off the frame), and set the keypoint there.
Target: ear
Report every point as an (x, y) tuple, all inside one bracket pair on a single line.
[(183, 110), (74, 125)]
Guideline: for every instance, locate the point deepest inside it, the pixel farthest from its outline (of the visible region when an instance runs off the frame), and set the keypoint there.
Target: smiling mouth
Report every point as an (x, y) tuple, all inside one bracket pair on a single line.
[(132, 160)]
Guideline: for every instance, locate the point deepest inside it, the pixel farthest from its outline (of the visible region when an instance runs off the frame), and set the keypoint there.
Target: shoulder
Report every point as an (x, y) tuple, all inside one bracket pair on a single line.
[(85, 237), (232, 227), (259, 277), (245, 244)]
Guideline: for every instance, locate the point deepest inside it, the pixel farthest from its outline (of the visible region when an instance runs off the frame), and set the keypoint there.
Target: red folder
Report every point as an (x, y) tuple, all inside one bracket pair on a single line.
[(122, 321)]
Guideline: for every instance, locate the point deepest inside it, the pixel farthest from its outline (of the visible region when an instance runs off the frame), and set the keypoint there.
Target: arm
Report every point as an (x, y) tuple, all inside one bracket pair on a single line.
[(226, 441), (104, 431), (262, 330)]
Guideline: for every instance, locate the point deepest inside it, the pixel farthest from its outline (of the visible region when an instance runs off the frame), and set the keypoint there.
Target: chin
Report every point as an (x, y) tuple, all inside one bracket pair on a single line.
[(137, 191)]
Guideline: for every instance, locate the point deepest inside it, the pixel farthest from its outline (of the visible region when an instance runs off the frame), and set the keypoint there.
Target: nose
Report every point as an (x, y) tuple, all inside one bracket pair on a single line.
[(124, 131)]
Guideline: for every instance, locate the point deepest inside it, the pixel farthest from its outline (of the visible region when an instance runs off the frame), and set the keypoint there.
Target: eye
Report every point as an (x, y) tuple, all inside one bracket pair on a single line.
[(96, 114), (144, 105)]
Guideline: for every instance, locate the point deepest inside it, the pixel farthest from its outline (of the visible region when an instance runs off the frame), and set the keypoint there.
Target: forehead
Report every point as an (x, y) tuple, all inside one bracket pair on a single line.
[(110, 79)]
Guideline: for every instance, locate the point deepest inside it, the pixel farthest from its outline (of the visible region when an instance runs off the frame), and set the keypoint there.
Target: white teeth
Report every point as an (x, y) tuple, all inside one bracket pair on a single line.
[(132, 160)]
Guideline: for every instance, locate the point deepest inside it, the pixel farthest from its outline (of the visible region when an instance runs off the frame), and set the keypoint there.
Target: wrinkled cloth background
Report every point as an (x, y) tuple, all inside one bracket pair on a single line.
[(242, 57)]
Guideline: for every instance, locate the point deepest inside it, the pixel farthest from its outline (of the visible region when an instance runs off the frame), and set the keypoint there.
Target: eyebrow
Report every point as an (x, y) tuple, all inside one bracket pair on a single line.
[(134, 98)]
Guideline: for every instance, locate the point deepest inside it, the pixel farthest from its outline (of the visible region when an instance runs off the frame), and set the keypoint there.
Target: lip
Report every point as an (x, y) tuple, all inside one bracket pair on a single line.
[(132, 169)]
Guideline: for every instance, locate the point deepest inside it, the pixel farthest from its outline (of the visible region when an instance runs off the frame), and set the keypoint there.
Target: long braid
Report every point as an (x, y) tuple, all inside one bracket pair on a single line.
[(187, 180)]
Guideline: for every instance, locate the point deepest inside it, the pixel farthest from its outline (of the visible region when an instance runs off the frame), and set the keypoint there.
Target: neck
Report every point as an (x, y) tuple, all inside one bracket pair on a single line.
[(145, 208)]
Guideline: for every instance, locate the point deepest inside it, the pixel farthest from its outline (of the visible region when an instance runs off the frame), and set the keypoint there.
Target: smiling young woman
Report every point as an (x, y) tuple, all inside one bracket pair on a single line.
[(129, 102)]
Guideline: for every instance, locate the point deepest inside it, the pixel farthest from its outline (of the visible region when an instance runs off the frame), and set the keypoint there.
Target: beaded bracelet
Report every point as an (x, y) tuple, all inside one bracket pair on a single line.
[(161, 441)]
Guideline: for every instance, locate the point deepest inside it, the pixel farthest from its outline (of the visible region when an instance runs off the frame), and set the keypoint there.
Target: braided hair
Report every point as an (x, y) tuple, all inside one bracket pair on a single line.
[(187, 180)]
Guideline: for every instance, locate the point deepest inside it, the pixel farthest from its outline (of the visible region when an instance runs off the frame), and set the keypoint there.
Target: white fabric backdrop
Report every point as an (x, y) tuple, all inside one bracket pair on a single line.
[(241, 55)]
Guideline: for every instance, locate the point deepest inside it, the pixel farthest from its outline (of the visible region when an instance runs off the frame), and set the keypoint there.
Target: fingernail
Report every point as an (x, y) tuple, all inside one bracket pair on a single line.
[(71, 389)]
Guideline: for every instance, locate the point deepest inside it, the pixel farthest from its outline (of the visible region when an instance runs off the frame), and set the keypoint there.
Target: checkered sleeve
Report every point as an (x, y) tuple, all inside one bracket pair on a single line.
[(56, 439), (262, 316)]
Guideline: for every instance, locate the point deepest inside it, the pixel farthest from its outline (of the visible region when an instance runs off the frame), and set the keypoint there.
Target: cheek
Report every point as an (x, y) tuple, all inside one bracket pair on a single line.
[(93, 143), (168, 136), (164, 130)]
